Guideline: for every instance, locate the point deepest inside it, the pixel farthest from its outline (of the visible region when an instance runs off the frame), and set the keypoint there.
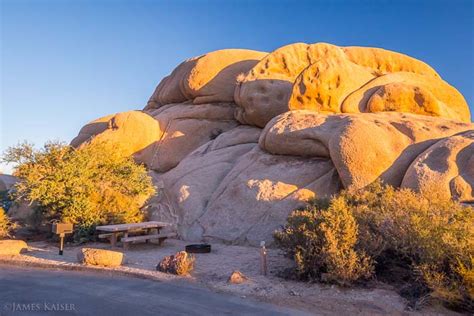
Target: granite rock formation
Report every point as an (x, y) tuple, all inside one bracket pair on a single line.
[(237, 139)]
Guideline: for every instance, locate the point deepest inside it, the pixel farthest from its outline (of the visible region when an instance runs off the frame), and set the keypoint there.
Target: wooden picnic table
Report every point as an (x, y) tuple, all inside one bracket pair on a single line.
[(113, 231)]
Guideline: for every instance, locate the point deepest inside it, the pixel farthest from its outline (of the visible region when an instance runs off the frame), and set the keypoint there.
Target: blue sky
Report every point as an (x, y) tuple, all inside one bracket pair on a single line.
[(64, 63)]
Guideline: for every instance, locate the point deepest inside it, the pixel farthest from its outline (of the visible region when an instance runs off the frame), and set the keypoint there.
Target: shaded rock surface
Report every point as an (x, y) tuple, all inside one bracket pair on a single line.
[(237, 139), (22, 211), (186, 127), (231, 180), (7, 181), (448, 164)]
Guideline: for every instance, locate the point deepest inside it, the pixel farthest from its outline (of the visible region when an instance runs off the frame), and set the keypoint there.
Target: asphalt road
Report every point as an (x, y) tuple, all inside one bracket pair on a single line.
[(46, 292)]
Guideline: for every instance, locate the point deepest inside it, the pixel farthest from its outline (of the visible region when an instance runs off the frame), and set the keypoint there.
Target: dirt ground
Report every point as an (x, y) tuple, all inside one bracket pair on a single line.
[(213, 270)]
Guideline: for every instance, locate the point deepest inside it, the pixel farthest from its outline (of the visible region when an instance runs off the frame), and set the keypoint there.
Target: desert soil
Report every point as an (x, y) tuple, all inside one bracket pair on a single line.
[(213, 270)]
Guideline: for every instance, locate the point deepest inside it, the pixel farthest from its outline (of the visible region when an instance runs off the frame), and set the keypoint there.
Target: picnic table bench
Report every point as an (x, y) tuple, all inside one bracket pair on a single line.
[(152, 230)]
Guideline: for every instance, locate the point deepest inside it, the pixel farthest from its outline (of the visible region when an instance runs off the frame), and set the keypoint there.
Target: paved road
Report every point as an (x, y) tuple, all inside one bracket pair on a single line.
[(46, 292)]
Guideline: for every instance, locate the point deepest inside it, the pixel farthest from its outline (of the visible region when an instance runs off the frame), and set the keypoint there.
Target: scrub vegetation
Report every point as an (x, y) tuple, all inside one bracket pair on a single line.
[(422, 243)]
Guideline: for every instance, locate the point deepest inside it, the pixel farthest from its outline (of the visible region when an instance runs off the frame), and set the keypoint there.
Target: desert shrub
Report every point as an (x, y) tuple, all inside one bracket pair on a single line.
[(93, 185), (322, 242), (5, 224), (429, 235)]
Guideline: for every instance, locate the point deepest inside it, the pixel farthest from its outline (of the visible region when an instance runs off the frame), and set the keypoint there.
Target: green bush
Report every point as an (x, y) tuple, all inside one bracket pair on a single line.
[(429, 236), (93, 185)]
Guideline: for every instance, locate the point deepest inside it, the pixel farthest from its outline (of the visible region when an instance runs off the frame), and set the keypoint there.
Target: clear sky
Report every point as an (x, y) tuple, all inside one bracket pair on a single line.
[(64, 63)]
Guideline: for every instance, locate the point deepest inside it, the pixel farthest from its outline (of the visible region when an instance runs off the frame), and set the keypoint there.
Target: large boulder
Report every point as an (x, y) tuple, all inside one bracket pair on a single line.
[(161, 138), (362, 147), (233, 190), (448, 165), (320, 76), (265, 91), (231, 180), (357, 115), (184, 191), (12, 247), (260, 192), (410, 93), (324, 85), (133, 132), (208, 78), (186, 127), (100, 257)]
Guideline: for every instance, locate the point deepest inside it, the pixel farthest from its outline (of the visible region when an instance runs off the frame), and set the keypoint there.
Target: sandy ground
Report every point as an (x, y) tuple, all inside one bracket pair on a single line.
[(213, 270)]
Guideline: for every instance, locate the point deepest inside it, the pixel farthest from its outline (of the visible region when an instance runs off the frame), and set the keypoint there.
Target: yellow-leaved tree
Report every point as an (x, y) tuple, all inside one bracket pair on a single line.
[(92, 185)]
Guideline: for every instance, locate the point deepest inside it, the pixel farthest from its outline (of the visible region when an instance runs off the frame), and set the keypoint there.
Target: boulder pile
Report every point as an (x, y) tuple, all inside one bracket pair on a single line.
[(237, 139)]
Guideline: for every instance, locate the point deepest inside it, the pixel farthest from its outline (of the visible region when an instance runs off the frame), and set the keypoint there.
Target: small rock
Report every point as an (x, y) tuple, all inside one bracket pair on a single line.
[(100, 257), (294, 293), (180, 263), (237, 277), (12, 247)]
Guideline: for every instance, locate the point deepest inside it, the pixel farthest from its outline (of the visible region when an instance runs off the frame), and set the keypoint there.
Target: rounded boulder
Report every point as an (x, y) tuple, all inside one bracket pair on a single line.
[(12, 247), (100, 257)]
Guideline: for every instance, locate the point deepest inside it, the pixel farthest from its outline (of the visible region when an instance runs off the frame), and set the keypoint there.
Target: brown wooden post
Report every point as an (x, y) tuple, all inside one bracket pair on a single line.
[(263, 258), (160, 241), (148, 233), (125, 244), (113, 239), (61, 243)]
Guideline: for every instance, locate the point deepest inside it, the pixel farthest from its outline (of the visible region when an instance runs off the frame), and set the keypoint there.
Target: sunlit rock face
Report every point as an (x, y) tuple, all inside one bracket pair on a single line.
[(237, 139), (326, 78), (203, 79), (161, 138), (363, 147)]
